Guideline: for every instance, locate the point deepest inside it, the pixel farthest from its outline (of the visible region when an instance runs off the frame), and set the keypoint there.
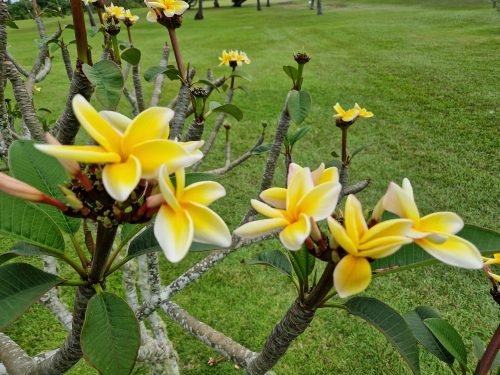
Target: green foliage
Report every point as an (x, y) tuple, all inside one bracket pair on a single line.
[(44, 173), (108, 80), (26, 222), (478, 349), (228, 109), (411, 256), (291, 139), (242, 74), (260, 149), (21, 285), (23, 249), (110, 335), (390, 324), (299, 104), (302, 263), (276, 259), (415, 320), (449, 338), (131, 55)]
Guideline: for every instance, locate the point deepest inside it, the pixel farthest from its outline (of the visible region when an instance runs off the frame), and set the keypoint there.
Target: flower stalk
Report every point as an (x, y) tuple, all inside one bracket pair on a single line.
[(82, 47)]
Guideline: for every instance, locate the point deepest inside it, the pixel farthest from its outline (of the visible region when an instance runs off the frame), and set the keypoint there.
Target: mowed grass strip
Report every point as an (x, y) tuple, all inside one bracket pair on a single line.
[(429, 72)]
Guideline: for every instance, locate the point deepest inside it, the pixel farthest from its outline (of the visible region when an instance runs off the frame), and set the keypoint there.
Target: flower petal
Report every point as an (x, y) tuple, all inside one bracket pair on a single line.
[(174, 232), (167, 189), (153, 154), (120, 179), (204, 192), (259, 227), (265, 210), (355, 224), (401, 203), (320, 202), (119, 121), (151, 16), (151, 124), (455, 251), (341, 237), (394, 227), (275, 196), (300, 184), (382, 247), (84, 154), (447, 222), (180, 7), (352, 275), (329, 175), (208, 226), (294, 235), (97, 127), (338, 108)]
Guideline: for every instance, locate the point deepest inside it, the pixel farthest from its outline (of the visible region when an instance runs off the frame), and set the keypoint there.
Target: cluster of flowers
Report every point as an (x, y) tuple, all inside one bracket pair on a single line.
[(116, 14), (234, 58)]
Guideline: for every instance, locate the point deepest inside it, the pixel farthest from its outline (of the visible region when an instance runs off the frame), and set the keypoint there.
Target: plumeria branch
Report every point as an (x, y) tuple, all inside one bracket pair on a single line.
[(160, 78)]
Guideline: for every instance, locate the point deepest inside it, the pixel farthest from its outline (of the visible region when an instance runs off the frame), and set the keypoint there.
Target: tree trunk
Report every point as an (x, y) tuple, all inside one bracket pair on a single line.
[(319, 7), (216, 4), (258, 5), (199, 13)]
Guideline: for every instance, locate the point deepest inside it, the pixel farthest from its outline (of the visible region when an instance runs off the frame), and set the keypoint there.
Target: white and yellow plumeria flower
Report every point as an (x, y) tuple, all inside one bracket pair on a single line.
[(115, 12), (435, 233), (294, 208), (353, 273), (184, 216), (351, 114), (168, 7), (490, 261), (130, 149), (129, 18)]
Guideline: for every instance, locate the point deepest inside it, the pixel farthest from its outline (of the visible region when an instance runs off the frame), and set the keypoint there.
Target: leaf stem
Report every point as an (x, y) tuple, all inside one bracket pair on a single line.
[(79, 251), (80, 31), (116, 50)]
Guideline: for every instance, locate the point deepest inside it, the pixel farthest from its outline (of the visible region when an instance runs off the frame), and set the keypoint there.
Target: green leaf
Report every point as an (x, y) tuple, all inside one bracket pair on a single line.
[(110, 335), (411, 256), (128, 231), (275, 259), (94, 30), (108, 80), (131, 55), (242, 74), (21, 285), (449, 338), (302, 263), (390, 324), (192, 178), (478, 348), (291, 72), (23, 249), (299, 134), (172, 73), (11, 24), (415, 320), (208, 83), (26, 222), (229, 109), (358, 150), (260, 149), (46, 174), (151, 72), (337, 163), (299, 104)]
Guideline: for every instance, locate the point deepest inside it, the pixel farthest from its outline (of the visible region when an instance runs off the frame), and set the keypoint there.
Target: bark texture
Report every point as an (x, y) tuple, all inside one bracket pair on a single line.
[(155, 98), (195, 131), (183, 101)]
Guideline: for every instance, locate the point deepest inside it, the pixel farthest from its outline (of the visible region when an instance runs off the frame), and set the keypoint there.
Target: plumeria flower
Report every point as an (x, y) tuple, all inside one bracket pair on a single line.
[(350, 115), (130, 149), (242, 58), (168, 7), (129, 18), (114, 12), (353, 273), (490, 261), (435, 233), (227, 57), (184, 216), (293, 208)]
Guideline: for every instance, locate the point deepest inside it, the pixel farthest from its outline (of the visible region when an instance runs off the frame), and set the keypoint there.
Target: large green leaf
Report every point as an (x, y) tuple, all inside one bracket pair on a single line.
[(21, 285), (153, 71), (228, 109), (26, 222), (299, 104), (131, 55), (46, 174), (107, 78), (110, 335), (390, 323), (410, 256), (23, 249), (291, 72), (302, 263), (449, 338), (299, 134), (415, 320), (274, 258)]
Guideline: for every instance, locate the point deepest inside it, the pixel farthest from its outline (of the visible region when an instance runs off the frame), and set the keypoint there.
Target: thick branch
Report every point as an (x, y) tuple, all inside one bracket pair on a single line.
[(155, 98), (25, 103), (18, 66), (139, 96), (12, 356), (356, 188), (183, 100), (484, 365), (4, 118), (211, 337), (67, 61), (195, 130)]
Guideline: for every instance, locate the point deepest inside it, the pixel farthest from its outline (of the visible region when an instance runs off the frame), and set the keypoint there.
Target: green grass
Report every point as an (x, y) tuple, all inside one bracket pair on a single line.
[(428, 71)]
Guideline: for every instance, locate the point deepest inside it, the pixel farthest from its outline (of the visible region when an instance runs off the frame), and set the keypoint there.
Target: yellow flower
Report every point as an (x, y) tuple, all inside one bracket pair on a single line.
[(184, 216), (353, 273), (351, 114), (490, 261), (114, 12), (233, 58), (129, 18), (168, 7), (294, 207), (242, 58), (435, 233), (130, 149)]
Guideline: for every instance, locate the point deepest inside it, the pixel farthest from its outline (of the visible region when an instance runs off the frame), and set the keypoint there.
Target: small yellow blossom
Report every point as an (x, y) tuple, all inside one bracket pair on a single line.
[(130, 19), (350, 115), (233, 58), (113, 12), (168, 7), (490, 261)]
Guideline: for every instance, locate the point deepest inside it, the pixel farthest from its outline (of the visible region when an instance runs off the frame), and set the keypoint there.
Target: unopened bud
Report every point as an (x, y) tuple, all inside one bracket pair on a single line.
[(19, 189), (71, 198), (154, 201), (302, 58), (227, 126)]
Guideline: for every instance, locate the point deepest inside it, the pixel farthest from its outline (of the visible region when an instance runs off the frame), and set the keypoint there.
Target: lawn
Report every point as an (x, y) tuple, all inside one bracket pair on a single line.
[(427, 69)]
